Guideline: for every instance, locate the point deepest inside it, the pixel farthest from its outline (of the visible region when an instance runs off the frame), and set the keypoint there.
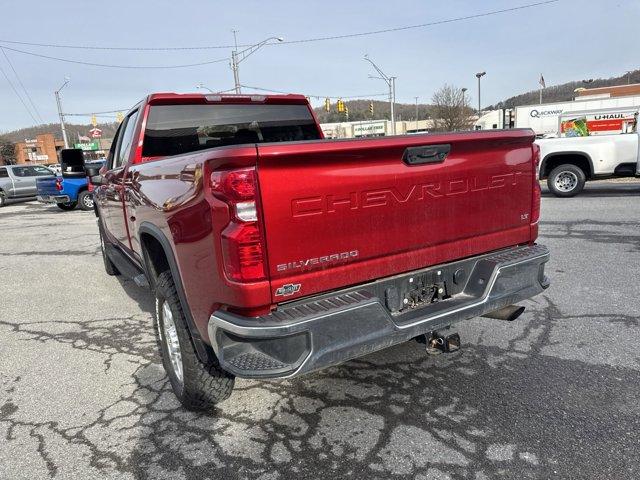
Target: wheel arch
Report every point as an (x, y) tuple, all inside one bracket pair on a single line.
[(158, 256), (580, 159)]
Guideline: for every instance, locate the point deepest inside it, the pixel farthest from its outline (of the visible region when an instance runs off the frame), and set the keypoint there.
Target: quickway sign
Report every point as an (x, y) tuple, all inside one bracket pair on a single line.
[(544, 113)]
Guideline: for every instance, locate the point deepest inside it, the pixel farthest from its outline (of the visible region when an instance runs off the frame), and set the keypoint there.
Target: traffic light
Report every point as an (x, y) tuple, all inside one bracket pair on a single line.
[(371, 108), (94, 120), (340, 105), (327, 105), (119, 117), (346, 112)]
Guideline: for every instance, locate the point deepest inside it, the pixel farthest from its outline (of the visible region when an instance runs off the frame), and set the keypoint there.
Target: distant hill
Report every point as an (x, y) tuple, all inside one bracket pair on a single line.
[(565, 92), (359, 110), (108, 131)]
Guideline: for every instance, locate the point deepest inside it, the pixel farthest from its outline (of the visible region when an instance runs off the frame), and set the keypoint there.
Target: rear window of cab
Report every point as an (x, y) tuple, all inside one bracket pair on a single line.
[(178, 129)]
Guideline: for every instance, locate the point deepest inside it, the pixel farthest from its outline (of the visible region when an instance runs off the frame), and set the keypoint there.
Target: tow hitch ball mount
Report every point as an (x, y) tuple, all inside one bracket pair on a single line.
[(438, 343)]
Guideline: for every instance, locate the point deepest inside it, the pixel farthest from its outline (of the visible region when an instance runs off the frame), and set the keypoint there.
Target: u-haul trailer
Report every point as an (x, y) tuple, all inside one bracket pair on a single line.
[(546, 119)]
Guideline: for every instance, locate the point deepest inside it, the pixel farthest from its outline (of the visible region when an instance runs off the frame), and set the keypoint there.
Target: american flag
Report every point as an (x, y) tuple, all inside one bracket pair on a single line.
[(541, 82)]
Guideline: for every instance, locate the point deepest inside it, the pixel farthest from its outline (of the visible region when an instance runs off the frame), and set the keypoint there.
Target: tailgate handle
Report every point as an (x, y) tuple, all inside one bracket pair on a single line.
[(426, 154)]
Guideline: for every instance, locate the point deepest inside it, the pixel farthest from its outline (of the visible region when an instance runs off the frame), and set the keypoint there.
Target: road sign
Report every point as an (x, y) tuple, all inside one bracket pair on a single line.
[(95, 133), (87, 146)]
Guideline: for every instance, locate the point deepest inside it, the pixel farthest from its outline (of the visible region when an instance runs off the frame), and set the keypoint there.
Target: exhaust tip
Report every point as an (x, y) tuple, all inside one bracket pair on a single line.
[(508, 313)]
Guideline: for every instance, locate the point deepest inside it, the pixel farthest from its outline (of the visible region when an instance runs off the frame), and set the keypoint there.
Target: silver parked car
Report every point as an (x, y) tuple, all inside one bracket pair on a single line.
[(19, 181)]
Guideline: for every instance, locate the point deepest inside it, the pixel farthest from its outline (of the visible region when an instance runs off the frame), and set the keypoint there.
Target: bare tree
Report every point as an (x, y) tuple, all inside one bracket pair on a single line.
[(450, 109), (7, 152)]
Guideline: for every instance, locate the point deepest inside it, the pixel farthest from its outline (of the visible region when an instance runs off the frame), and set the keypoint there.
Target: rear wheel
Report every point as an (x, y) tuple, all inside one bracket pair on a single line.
[(3, 199), (67, 206), (85, 200), (197, 386), (566, 180)]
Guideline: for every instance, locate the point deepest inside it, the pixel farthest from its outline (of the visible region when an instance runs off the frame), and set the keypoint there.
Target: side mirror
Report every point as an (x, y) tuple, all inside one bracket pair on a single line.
[(96, 179)]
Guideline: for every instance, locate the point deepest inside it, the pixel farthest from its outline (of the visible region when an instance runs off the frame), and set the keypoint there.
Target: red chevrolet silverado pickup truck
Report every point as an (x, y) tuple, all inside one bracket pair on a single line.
[(273, 252)]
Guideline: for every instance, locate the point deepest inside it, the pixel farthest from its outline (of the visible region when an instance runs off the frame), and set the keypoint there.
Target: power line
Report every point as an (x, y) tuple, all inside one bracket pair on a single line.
[(18, 95), (318, 96), (306, 40), (423, 25), (97, 113), (136, 49), (35, 109), (114, 66)]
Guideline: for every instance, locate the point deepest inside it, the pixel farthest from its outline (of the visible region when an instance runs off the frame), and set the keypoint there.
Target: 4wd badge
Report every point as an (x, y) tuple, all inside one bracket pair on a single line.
[(288, 289)]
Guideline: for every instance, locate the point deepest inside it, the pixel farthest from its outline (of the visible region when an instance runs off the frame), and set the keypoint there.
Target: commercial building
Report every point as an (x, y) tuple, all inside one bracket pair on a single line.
[(608, 92), (374, 128), (43, 149)]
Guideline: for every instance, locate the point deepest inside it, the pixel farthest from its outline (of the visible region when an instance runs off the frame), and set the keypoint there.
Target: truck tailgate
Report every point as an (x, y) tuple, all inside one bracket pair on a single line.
[(46, 186), (342, 212)]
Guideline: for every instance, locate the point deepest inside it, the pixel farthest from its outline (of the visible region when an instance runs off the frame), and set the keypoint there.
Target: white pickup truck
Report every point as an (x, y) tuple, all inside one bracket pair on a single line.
[(567, 163)]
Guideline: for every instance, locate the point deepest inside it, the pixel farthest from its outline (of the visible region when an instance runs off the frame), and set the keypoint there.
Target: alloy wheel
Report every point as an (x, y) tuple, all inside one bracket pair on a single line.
[(171, 342)]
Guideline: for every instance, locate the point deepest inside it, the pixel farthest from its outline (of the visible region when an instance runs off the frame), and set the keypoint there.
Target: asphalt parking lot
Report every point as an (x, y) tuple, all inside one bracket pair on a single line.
[(555, 394)]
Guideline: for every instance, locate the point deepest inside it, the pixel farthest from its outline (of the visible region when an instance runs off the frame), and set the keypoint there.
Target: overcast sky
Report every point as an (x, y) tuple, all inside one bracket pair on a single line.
[(567, 40)]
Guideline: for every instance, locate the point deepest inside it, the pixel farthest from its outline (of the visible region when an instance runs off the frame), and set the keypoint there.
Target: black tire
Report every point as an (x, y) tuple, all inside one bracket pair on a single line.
[(85, 200), (109, 267), (566, 180), (202, 386), (3, 199), (67, 206)]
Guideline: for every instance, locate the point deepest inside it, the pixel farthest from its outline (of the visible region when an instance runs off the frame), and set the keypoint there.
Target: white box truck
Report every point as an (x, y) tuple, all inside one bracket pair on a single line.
[(546, 119)]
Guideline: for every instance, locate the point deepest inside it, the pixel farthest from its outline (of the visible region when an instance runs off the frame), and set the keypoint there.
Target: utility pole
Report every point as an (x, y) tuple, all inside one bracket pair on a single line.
[(239, 56), (479, 75), (234, 62), (416, 114), (60, 114), (391, 83)]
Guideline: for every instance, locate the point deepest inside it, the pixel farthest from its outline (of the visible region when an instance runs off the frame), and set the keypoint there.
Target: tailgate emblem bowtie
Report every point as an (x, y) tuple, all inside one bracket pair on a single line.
[(288, 289)]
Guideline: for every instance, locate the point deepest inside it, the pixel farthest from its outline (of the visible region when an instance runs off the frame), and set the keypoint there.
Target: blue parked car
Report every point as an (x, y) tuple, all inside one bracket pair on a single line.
[(72, 188)]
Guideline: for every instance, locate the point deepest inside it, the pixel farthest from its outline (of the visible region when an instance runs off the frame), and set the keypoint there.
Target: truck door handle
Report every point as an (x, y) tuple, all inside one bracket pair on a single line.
[(426, 154)]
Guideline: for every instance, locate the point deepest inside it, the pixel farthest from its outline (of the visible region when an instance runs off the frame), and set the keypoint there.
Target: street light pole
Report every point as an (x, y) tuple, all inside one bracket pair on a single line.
[(416, 114), (60, 114), (239, 56), (464, 101), (391, 83), (201, 85), (479, 75)]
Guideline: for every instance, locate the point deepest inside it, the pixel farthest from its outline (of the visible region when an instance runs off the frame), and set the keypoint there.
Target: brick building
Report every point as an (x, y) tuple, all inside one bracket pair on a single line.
[(608, 92), (42, 150)]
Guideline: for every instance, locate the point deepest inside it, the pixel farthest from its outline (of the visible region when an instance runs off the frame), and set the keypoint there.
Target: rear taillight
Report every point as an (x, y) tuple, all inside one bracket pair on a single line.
[(242, 239), (535, 199), (59, 184)]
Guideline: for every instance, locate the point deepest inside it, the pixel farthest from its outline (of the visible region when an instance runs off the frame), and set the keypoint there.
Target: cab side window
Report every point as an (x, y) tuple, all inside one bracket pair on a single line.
[(4, 173), (41, 171), (125, 141), (21, 172)]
